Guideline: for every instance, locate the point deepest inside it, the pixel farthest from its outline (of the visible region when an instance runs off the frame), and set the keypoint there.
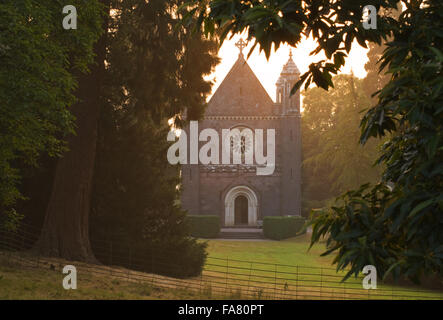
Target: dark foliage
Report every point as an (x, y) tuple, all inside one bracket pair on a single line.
[(155, 73), (204, 226), (38, 59), (408, 112)]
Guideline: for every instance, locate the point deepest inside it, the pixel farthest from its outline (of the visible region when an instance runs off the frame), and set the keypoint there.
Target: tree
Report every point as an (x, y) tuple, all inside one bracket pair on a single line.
[(410, 213), (375, 80), (38, 59), (333, 161), (154, 73), (65, 230), (158, 74), (140, 26)]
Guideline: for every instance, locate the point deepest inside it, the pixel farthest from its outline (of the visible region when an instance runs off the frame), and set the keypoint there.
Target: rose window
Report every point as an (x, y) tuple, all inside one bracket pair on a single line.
[(239, 143)]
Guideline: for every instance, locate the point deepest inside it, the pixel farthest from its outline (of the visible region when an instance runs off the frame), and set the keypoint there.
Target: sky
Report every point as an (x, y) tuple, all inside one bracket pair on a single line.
[(269, 71)]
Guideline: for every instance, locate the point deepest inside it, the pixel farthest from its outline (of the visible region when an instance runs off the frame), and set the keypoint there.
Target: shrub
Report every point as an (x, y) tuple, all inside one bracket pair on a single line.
[(279, 228), (180, 259), (204, 226)]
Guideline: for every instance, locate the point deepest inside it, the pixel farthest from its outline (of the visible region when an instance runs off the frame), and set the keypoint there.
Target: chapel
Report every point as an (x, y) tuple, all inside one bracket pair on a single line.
[(236, 192)]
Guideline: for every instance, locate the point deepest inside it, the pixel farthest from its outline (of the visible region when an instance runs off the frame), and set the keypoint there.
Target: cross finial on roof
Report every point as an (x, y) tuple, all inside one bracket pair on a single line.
[(290, 53), (240, 44)]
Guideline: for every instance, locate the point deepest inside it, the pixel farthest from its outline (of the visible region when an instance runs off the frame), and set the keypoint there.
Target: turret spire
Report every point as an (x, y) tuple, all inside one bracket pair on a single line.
[(290, 103)]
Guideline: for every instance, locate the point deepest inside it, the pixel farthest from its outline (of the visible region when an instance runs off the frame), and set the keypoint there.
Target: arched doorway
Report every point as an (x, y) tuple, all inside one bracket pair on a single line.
[(241, 210), (241, 206)]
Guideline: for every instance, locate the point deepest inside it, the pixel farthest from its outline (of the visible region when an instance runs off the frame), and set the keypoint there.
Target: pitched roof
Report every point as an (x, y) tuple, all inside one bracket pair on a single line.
[(240, 93)]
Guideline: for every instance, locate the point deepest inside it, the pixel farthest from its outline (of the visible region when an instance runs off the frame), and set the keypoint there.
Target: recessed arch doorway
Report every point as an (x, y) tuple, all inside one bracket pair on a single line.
[(241, 205)]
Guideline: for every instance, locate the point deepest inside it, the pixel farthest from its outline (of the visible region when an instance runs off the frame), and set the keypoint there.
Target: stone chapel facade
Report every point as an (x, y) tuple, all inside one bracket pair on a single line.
[(235, 192)]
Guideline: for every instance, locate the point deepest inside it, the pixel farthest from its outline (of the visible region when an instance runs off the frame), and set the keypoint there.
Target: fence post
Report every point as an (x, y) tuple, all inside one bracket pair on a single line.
[(249, 279), (9, 248), (110, 253), (321, 281), (275, 281), (296, 284), (227, 271), (23, 238), (201, 281), (130, 257), (111, 258), (129, 261), (152, 268)]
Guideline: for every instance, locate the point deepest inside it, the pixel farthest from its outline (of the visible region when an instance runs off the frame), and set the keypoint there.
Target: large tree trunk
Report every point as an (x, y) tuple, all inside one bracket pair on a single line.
[(65, 231)]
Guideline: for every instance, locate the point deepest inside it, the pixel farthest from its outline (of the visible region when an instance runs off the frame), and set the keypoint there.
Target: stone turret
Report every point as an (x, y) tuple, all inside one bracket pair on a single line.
[(290, 138), (288, 77)]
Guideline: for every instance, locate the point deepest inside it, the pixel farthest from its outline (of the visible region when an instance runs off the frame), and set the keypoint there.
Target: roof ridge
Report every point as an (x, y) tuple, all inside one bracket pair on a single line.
[(232, 70)]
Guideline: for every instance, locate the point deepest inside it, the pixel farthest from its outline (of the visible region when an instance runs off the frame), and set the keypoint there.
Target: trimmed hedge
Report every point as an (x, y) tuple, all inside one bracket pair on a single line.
[(204, 226), (282, 227)]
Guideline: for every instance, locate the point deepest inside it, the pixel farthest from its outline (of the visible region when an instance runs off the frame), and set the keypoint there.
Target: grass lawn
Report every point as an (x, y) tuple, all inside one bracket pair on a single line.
[(20, 283), (293, 251), (286, 269), (234, 270)]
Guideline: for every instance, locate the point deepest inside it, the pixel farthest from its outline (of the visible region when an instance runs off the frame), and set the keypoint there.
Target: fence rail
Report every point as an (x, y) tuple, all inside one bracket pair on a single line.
[(221, 277)]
